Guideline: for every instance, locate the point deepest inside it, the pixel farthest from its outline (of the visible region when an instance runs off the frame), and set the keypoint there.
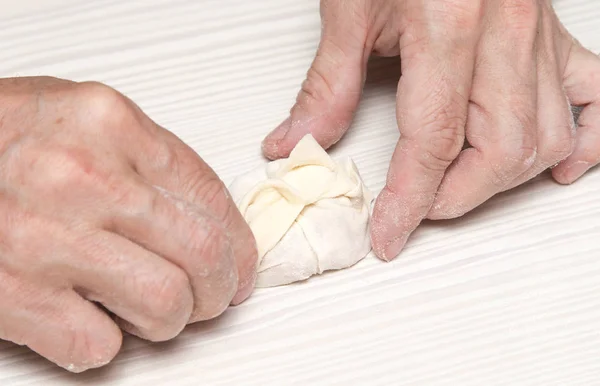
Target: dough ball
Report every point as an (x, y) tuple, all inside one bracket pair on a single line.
[(309, 214)]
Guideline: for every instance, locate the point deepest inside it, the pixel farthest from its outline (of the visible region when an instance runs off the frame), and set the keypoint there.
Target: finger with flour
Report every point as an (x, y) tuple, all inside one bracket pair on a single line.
[(330, 94), (185, 179), (502, 120), (185, 235), (431, 112)]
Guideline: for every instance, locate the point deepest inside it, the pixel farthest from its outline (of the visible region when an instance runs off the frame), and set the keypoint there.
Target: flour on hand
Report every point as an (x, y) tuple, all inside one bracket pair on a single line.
[(309, 214)]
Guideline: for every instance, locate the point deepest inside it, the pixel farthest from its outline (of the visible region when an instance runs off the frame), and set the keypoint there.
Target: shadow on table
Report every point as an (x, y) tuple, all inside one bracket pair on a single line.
[(383, 75), (382, 72)]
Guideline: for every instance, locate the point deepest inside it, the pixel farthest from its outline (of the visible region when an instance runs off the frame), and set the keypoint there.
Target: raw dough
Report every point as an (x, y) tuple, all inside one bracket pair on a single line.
[(308, 213)]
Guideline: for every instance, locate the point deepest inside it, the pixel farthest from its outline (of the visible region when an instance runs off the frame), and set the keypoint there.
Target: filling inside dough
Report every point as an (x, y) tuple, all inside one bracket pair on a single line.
[(309, 214)]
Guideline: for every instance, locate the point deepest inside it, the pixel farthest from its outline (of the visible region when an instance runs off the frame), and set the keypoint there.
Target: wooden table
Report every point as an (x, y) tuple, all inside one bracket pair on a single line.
[(507, 295)]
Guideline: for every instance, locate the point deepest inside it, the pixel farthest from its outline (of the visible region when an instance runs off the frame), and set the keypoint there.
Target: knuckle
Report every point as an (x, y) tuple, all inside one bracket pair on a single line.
[(441, 133), (518, 148), (216, 275), (518, 156), (511, 157), (441, 137), (101, 103), (168, 300), (443, 147), (166, 157), (316, 89), (208, 188), (195, 180), (508, 163), (558, 146), (214, 303), (443, 108)]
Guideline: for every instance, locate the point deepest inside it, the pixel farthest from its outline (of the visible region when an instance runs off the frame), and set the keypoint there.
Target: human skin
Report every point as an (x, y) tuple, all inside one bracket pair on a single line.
[(101, 206), (498, 75), (103, 210)]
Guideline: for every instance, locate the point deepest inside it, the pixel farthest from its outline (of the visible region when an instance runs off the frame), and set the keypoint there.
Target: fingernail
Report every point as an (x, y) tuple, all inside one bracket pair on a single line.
[(245, 290), (576, 170), (270, 145), (281, 141), (280, 131), (393, 248)]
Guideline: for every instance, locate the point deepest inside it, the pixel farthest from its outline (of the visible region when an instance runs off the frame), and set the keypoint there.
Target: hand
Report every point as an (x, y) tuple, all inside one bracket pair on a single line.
[(500, 73), (101, 207)]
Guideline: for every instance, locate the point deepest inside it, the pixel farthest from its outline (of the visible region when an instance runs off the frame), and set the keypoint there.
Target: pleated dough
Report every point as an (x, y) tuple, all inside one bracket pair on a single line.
[(308, 213)]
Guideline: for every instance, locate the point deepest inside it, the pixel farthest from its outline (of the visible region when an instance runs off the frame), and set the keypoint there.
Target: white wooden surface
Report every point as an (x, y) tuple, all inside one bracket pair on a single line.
[(510, 294)]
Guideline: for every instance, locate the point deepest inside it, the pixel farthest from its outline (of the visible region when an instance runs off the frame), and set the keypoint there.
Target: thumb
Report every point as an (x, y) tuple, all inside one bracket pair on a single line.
[(330, 94)]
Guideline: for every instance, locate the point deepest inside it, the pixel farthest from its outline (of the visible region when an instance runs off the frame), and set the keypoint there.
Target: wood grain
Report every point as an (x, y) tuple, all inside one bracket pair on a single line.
[(509, 294)]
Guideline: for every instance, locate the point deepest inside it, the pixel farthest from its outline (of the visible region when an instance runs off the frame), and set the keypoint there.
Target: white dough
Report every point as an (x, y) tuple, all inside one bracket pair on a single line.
[(308, 213)]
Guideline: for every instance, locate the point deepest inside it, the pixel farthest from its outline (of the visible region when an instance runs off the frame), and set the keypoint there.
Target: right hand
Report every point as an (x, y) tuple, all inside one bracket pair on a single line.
[(496, 75), (101, 206)]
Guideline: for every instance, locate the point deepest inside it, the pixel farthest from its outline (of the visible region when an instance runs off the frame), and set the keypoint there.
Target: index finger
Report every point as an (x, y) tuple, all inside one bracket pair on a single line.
[(169, 163), (433, 96), (196, 182)]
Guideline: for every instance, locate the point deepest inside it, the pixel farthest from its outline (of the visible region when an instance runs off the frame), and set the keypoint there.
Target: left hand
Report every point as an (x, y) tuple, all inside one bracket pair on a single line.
[(101, 210), (500, 73)]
